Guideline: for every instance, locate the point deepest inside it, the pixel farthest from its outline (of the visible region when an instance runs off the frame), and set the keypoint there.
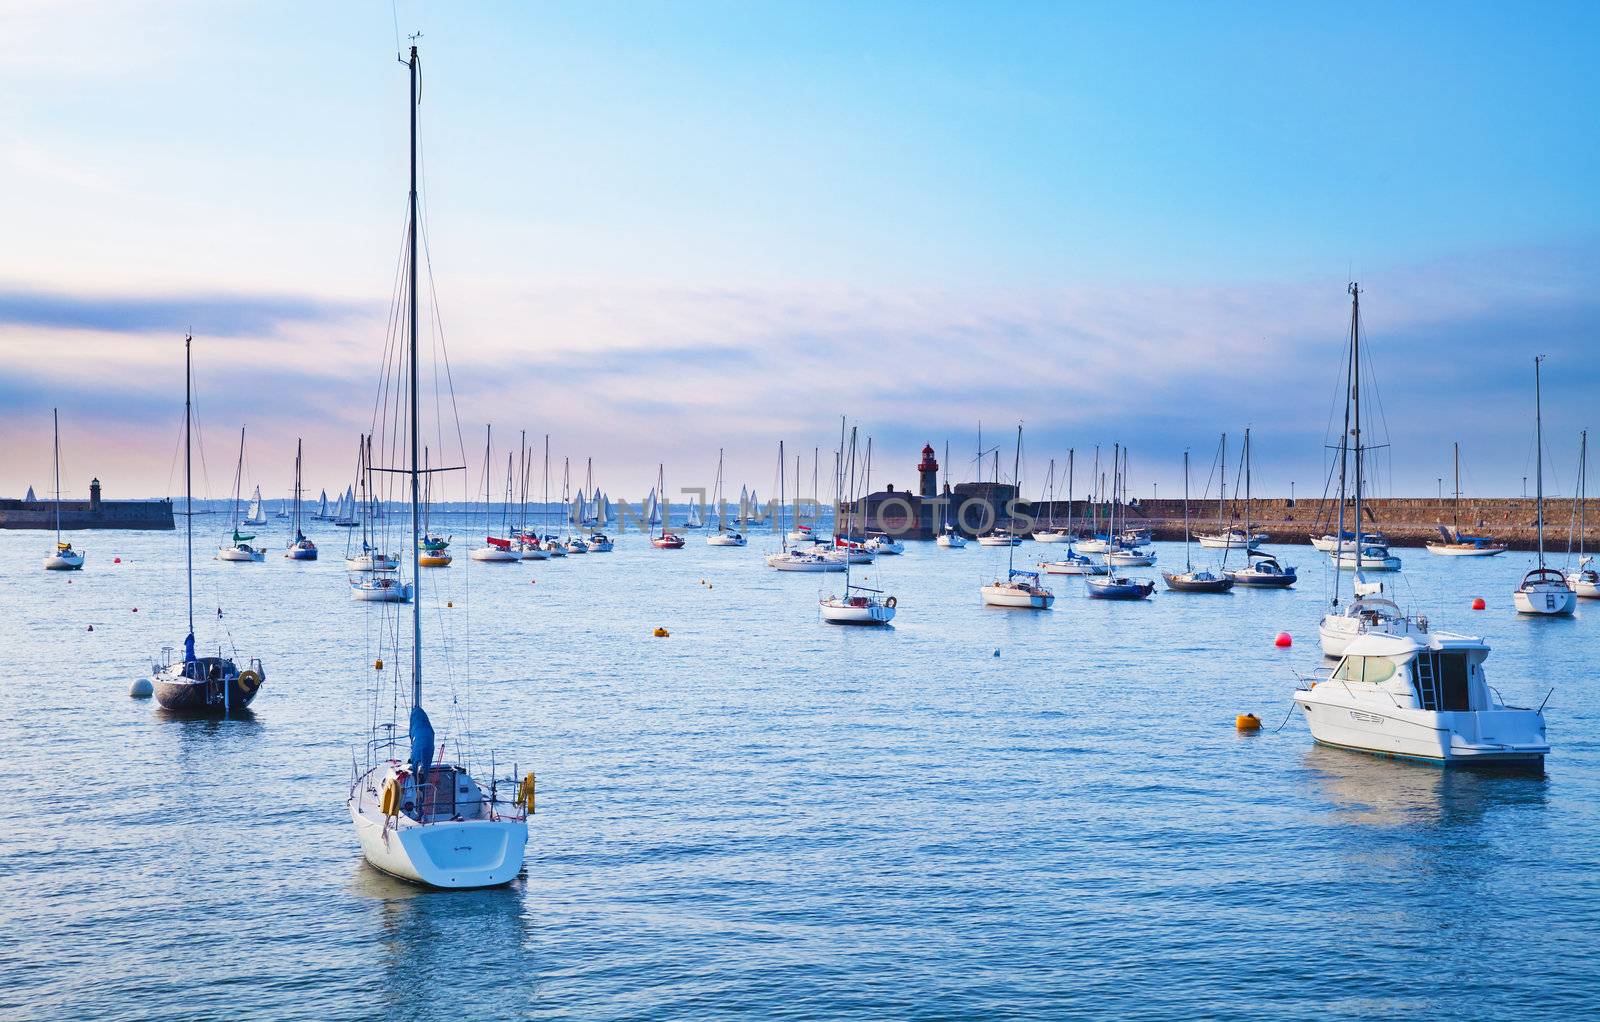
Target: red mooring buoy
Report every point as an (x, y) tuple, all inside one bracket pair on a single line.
[(1284, 640), (1478, 603)]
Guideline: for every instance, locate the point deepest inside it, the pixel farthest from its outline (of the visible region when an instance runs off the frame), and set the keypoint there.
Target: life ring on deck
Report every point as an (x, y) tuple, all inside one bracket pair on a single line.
[(249, 680), (389, 801), (891, 603)]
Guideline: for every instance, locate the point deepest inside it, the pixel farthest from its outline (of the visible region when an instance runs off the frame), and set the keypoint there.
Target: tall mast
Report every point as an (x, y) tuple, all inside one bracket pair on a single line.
[(1538, 420), (1016, 469), (1455, 514), (411, 256), (1583, 486), (55, 418), (1355, 403), (297, 454), (1188, 565), (1247, 533), (783, 534), (546, 515), (1072, 454), (188, 479)]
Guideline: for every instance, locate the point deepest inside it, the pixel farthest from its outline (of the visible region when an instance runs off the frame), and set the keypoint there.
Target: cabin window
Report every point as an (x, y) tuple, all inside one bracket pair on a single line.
[(1370, 669)]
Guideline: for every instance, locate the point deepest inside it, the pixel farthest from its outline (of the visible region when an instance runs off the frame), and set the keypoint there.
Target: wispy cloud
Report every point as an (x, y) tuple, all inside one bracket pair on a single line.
[(212, 313)]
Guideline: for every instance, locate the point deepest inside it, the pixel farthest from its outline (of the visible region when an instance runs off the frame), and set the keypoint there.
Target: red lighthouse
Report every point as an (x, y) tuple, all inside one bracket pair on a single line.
[(928, 473)]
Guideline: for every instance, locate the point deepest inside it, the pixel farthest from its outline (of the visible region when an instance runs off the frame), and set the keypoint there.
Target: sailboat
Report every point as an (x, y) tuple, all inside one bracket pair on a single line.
[(1189, 580), (1585, 581), (1261, 570), (435, 552), (1074, 563), (1457, 543), (195, 684), (859, 605), (1019, 588), (545, 536), (811, 557), (300, 548), (666, 539), (1127, 551), (1051, 533), (723, 536), (344, 516), (1231, 537), (948, 538), (495, 549), (1112, 586), (526, 540), (418, 818), (369, 558), (573, 544), (1544, 590), (237, 547), (255, 514), (64, 558), (321, 514)]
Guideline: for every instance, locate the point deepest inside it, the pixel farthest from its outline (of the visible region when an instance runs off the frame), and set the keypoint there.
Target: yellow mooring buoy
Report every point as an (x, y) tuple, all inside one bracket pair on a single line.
[(1247, 722), (662, 633), (377, 665)]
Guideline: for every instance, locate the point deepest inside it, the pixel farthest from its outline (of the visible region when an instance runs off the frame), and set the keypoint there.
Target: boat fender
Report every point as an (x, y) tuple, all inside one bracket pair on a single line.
[(249, 680), (389, 802), (525, 792), (891, 603)]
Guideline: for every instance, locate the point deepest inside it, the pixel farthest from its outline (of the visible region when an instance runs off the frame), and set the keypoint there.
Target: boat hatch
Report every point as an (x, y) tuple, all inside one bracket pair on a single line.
[(1442, 680)]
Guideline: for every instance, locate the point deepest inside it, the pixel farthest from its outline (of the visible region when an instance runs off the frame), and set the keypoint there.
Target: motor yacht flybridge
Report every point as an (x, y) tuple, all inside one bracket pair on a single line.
[(417, 815), (1420, 697)]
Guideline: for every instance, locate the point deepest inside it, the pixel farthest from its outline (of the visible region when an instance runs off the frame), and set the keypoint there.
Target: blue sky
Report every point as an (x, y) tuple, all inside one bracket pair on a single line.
[(662, 229)]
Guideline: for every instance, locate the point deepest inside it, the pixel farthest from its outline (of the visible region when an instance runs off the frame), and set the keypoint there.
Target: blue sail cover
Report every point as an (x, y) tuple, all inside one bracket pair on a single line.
[(421, 741), (188, 648)]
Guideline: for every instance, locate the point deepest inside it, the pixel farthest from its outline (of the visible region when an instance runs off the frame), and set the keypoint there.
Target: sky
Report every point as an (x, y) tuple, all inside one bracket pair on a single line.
[(656, 230)]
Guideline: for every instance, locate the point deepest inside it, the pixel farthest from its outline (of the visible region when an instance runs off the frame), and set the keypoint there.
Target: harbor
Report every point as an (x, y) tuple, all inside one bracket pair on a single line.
[(783, 511)]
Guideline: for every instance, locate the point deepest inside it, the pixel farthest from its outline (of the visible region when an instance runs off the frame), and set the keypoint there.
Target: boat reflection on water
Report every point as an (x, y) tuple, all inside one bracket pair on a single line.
[(1379, 792), (427, 938)]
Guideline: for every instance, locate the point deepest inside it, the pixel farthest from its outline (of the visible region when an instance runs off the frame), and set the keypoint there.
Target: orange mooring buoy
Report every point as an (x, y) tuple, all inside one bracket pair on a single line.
[(1247, 722), (1284, 640)]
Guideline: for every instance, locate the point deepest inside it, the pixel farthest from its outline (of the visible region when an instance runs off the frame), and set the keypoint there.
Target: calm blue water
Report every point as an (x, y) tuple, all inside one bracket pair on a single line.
[(763, 816)]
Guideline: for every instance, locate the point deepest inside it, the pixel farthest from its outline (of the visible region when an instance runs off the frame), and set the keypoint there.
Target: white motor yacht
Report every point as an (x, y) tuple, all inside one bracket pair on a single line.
[(1585, 582), (1420, 697)]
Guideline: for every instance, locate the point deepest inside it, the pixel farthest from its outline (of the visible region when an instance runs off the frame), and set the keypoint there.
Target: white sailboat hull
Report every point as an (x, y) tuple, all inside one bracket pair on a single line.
[(846, 612), (1347, 560), (494, 553), (1545, 601), (371, 562), (471, 853), (1074, 568), (64, 562), (787, 562), (999, 540), (1010, 596), (725, 539), (371, 592), (240, 553), (1131, 559), (1050, 536), (951, 541), (1464, 550)]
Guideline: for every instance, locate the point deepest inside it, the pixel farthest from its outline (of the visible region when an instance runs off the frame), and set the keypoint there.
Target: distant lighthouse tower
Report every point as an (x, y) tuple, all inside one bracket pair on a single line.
[(928, 472), (928, 490)]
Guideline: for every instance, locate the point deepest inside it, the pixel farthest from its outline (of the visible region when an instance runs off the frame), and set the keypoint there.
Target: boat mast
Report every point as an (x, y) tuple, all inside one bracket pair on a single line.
[(238, 475), (1455, 513), (1538, 433), (488, 506), (1355, 402), (188, 483), (1072, 453), (55, 418), (1222, 530), (716, 497), (1016, 469), (783, 534), (1583, 485), (416, 557), (546, 510), (1188, 565), (298, 444)]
